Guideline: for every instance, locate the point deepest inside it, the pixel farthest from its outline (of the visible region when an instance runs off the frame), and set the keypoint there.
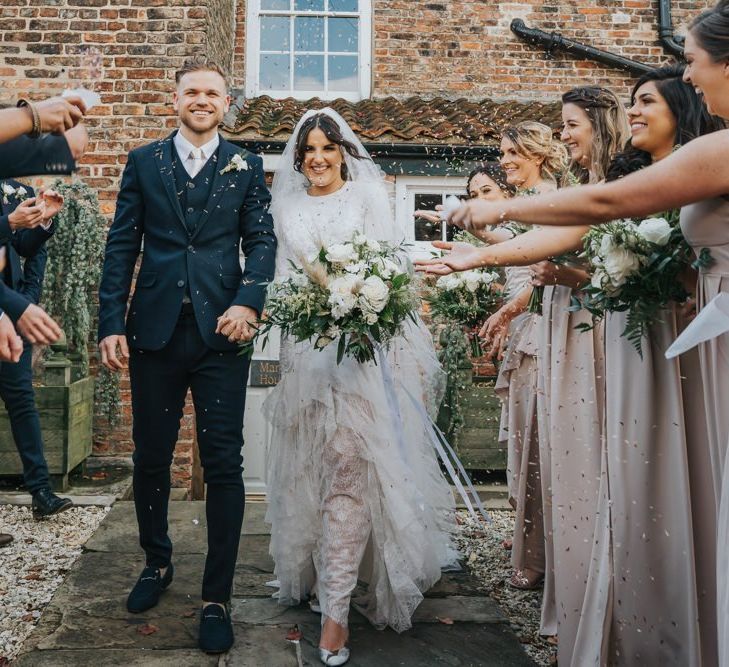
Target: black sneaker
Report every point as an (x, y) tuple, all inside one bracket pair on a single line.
[(216, 629), (46, 503), (149, 587), (5, 539)]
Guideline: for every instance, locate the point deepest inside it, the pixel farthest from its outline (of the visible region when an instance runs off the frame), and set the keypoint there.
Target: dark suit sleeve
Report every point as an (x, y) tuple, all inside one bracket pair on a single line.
[(257, 241), (122, 249), (25, 241), (33, 272), (12, 302), (47, 155)]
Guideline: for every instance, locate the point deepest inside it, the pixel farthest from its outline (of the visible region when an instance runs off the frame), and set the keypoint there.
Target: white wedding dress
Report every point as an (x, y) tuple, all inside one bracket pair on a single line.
[(356, 489)]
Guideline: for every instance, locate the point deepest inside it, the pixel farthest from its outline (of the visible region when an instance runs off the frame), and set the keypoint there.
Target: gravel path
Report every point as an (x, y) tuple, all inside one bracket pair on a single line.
[(481, 547), (35, 564)]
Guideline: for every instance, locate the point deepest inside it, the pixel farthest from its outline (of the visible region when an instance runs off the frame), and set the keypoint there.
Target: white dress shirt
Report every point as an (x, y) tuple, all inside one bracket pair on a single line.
[(186, 150)]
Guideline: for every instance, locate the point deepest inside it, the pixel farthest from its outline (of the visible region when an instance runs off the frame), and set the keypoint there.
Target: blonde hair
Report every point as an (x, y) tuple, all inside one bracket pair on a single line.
[(535, 140), (610, 129)]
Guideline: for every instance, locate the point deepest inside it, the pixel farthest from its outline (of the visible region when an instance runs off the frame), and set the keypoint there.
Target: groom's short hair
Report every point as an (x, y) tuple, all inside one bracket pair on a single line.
[(200, 63)]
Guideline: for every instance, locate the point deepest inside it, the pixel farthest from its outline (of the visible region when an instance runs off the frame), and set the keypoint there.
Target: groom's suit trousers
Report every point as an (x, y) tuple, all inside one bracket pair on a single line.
[(160, 380)]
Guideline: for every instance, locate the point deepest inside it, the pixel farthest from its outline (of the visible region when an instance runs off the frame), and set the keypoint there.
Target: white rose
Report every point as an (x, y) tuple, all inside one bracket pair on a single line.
[(21, 192), (449, 282), (599, 278), (355, 268), (8, 189), (373, 294), (472, 279), (371, 318), (385, 267), (373, 245), (607, 245), (488, 277), (620, 264), (341, 253), (343, 295), (238, 163), (655, 230)]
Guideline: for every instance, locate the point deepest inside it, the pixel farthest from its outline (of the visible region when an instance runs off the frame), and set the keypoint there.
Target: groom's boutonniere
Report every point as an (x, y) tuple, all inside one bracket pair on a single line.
[(20, 193), (237, 163)]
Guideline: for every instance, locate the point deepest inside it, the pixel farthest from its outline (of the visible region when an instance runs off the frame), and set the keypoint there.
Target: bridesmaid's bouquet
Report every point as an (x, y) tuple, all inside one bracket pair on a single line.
[(637, 267), (354, 293), (466, 299)]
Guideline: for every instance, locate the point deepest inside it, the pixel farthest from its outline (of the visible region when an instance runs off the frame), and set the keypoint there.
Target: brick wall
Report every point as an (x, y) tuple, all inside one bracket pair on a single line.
[(465, 47), (427, 47), (141, 42)]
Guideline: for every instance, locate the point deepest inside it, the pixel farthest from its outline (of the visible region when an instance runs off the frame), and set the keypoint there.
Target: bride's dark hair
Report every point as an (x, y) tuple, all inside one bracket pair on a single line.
[(331, 131)]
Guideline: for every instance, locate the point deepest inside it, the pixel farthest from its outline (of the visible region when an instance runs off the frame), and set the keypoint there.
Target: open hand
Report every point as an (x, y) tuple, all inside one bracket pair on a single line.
[(460, 257), (475, 214), (238, 324), (53, 203)]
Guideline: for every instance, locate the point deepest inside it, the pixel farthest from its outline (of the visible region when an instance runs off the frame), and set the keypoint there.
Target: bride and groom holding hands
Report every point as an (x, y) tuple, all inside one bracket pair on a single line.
[(346, 477)]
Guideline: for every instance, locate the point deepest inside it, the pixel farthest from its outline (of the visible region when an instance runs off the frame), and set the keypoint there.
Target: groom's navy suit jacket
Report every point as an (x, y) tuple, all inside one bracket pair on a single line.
[(200, 261)]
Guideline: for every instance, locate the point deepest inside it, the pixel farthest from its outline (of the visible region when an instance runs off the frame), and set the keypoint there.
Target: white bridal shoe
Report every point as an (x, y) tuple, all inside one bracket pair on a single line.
[(334, 658)]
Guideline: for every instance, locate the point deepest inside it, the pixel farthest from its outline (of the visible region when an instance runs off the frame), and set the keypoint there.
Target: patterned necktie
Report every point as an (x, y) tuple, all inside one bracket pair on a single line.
[(197, 161)]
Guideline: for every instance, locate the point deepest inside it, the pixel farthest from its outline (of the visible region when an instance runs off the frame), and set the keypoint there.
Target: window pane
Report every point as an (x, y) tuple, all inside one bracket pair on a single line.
[(344, 35), (275, 33), (309, 5), (424, 229), (343, 73), (275, 72), (343, 5), (275, 4), (309, 34), (309, 73)]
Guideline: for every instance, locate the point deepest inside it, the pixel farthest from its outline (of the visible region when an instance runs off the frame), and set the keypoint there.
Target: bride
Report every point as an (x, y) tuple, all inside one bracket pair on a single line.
[(357, 491)]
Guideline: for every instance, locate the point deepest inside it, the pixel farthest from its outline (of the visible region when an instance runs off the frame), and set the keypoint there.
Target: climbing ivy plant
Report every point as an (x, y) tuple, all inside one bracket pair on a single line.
[(73, 272)]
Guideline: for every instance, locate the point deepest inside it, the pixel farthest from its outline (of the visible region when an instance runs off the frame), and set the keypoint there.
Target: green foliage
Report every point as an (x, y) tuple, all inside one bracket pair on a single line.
[(654, 282), (73, 272), (354, 293), (452, 355)]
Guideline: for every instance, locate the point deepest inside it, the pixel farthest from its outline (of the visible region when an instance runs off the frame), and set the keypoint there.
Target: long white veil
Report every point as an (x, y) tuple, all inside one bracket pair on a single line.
[(288, 182)]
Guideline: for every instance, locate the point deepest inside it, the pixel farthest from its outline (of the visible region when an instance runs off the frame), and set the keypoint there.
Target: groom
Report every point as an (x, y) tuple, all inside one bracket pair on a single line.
[(194, 200)]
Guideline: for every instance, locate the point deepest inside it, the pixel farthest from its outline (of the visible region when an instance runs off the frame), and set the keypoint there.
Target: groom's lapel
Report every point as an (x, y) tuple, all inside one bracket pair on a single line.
[(220, 182), (163, 158)]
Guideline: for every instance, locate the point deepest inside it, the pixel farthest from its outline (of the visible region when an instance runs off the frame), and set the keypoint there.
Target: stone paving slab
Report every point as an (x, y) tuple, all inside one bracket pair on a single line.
[(118, 658), (457, 645), (87, 623), (188, 527)]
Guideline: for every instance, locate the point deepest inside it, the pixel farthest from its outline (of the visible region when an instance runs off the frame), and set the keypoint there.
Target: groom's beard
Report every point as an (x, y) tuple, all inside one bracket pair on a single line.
[(200, 125)]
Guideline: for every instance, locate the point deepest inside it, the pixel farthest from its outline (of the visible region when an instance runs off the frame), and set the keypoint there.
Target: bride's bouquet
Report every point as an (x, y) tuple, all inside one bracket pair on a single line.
[(355, 293), (636, 267), (466, 299)]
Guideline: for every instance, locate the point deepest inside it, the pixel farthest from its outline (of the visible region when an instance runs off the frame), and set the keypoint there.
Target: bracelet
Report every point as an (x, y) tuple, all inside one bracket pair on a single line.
[(37, 129)]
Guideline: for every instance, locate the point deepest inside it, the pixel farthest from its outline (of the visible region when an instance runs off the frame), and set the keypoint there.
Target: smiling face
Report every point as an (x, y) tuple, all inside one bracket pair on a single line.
[(322, 163), (201, 100), (577, 133), (484, 187), (709, 78), (652, 123), (521, 171)]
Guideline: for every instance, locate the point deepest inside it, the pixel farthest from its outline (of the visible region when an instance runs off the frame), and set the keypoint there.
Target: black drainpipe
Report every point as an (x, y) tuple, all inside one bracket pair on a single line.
[(672, 44), (555, 42)]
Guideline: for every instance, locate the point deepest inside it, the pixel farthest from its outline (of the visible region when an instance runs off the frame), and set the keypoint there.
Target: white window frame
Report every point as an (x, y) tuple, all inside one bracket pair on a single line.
[(406, 187), (253, 49)]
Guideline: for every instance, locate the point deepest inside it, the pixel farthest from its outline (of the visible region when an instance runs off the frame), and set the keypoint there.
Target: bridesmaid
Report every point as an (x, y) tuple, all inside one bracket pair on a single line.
[(698, 172), (595, 127), (643, 579)]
